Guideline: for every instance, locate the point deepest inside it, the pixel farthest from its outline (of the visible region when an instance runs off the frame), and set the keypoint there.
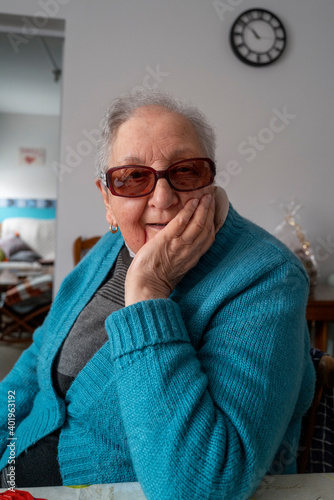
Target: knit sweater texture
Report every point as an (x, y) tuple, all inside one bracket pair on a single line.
[(195, 396)]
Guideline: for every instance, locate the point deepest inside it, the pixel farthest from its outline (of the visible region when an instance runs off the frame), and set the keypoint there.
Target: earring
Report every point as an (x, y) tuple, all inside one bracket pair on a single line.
[(113, 228)]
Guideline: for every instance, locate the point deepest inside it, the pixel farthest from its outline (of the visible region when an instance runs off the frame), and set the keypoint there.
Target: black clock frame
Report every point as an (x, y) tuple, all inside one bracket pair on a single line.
[(235, 46)]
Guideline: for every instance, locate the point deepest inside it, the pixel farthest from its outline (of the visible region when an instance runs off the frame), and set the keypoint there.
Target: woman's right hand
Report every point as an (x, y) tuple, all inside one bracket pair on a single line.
[(161, 263)]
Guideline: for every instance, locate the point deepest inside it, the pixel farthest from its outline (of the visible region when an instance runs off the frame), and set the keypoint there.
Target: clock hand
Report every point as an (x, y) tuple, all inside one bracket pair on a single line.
[(258, 36), (255, 34)]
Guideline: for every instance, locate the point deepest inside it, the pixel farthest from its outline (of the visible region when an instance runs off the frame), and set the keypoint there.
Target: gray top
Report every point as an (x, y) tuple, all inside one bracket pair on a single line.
[(88, 334)]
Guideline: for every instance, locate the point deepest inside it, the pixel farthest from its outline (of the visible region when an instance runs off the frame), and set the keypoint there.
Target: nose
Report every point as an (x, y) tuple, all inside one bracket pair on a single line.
[(163, 195)]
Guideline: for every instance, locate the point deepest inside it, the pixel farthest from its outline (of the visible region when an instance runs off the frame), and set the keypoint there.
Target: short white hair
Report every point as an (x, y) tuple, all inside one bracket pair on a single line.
[(122, 109)]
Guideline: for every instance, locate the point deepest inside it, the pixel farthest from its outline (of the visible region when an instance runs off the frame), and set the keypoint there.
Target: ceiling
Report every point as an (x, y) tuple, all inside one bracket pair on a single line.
[(27, 65)]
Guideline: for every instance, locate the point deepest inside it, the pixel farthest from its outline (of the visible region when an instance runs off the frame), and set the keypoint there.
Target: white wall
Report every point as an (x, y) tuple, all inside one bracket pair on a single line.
[(36, 131), (112, 46)]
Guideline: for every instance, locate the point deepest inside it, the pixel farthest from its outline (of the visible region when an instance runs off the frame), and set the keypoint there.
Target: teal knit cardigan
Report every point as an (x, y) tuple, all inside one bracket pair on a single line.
[(196, 396)]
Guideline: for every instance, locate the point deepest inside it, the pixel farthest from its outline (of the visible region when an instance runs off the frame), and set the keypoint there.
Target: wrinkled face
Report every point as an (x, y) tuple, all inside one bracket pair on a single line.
[(156, 138)]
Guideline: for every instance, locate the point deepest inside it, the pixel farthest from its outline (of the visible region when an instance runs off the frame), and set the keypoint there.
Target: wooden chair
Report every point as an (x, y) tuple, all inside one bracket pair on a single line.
[(17, 327), (24, 307), (324, 380), (81, 247)]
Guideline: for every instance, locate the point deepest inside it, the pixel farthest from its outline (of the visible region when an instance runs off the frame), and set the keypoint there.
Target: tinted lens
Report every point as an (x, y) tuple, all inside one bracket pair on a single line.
[(190, 175), (131, 181), (185, 175)]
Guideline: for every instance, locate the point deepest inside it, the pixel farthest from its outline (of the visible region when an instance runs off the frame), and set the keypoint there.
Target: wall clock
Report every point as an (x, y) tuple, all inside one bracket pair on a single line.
[(258, 37)]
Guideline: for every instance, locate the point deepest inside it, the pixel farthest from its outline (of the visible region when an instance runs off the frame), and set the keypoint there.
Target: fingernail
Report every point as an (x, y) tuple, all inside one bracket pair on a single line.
[(195, 202), (208, 199)]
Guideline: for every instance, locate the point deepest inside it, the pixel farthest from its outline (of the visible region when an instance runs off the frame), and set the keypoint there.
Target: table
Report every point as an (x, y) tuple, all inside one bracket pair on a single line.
[(288, 487), (296, 487), (7, 279), (12, 273), (320, 309)]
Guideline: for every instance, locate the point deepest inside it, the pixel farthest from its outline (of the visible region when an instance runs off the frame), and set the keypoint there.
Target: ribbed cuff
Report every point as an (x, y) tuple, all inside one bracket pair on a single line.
[(144, 324)]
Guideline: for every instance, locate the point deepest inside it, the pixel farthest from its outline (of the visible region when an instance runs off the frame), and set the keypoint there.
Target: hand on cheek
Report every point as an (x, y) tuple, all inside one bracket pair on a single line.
[(161, 263)]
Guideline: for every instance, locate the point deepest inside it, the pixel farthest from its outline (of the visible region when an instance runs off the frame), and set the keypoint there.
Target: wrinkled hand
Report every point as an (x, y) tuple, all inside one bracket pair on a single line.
[(161, 263)]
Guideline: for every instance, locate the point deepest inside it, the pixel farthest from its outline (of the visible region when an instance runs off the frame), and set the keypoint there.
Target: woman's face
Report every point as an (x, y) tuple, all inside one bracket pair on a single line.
[(156, 138)]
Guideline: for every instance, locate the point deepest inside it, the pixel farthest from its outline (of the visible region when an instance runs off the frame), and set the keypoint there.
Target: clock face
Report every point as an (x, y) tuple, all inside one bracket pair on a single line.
[(258, 37)]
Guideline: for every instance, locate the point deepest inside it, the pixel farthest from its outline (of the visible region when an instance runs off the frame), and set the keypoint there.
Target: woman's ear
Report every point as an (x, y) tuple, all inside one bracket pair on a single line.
[(106, 199)]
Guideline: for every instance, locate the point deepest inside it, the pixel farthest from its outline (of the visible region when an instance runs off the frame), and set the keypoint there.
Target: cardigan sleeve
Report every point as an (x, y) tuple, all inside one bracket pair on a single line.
[(207, 423), (21, 385)]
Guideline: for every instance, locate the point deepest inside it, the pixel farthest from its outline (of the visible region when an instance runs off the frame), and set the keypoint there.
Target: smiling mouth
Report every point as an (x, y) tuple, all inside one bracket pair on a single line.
[(153, 228)]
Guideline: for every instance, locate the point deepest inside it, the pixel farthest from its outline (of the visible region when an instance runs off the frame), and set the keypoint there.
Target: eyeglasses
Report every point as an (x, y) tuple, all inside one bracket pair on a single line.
[(133, 181)]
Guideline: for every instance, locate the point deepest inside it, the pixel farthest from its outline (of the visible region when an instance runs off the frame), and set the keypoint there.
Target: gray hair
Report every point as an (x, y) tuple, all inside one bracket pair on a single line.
[(123, 108)]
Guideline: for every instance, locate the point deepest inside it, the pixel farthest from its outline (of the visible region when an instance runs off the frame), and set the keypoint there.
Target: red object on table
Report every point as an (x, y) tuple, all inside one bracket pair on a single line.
[(18, 495)]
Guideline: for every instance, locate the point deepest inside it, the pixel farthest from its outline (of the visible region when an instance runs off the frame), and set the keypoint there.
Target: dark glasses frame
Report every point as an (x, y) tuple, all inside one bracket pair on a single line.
[(158, 174)]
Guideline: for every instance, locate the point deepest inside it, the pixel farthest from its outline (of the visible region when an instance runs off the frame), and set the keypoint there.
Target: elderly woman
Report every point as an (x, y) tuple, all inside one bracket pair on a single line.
[(176, 353)]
